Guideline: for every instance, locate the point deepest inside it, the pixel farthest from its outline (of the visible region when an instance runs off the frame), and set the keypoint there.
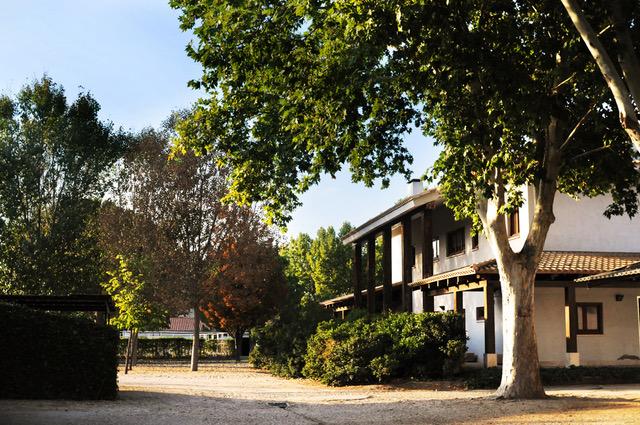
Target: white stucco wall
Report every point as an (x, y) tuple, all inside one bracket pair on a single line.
[(550, 326), (620, 327), (581, 226)]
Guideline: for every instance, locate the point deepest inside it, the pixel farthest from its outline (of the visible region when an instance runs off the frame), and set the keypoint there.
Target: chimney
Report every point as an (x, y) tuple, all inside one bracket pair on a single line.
[(414, 187)]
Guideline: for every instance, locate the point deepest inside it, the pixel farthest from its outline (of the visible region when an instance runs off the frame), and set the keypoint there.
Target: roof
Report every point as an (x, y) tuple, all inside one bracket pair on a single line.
[(629, 271), (551, 263), (182, 324), (63, 302), (427, 197)]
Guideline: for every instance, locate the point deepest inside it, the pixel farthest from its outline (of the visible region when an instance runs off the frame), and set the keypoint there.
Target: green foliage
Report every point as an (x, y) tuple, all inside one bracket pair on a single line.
[(297, 89), (581, 375), (319, 267), (178, 348), (54, 163), (51, 356), (364, 350), (128, 292), (281, 344)]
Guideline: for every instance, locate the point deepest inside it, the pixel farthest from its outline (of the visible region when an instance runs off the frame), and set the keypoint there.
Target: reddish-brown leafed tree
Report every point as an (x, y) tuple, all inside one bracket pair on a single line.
[(249, 285)]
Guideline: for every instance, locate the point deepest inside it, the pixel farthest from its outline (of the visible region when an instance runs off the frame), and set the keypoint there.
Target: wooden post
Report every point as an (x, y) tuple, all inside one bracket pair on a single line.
[(387, 290), (371, 274), (571, 322), (489, 319), (407, 261), (427, 244), (357, 275), (458, 305)]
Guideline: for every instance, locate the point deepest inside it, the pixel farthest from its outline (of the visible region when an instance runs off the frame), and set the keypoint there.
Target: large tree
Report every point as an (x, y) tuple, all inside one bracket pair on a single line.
[(54, 162), (299, 88)]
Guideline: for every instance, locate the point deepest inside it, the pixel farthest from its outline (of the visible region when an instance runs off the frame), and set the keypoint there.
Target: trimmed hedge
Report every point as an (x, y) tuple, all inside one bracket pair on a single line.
[(574, 375), (52, 356), (176, 348), (365, 350)]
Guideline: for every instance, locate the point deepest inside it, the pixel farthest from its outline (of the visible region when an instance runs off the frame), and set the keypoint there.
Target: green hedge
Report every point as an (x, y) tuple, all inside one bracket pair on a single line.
[(574, 375), (51, 356), (176, 348), (364, 350)]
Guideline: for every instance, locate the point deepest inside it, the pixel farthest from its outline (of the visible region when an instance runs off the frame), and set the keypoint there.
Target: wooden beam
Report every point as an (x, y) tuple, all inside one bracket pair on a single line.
[(407, 261), (571, 319), (427, 243), (387, 289), (357, 275), (489, 320), (458, 299), (371, 274)]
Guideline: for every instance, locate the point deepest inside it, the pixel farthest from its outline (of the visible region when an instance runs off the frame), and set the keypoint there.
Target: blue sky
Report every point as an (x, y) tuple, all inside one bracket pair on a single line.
[(130, 55)]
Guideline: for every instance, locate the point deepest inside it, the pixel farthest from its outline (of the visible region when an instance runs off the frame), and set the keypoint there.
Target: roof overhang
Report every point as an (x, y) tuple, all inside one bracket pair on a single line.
[(429, 197)]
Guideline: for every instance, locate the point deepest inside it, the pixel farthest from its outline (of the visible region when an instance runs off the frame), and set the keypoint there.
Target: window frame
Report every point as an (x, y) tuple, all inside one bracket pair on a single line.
[(513, 224), (480, 313), (451, 234), (599, 318)]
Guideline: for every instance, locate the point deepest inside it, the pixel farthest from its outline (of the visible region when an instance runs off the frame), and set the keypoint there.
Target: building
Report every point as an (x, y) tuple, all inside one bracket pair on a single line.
[(587, 295)]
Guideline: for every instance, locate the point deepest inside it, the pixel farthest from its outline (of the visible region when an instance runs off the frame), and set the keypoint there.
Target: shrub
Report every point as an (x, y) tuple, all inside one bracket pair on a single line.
[(51, 356), (281, 344), (363, 350)]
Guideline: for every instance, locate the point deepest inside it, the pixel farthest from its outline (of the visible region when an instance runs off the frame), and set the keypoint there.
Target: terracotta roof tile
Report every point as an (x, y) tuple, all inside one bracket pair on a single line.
[(181, 324)]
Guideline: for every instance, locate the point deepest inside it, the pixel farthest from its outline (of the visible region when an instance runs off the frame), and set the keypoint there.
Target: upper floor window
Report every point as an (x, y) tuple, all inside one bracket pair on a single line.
[(455, 242), (513, 223), (435, 246), (589, 318)]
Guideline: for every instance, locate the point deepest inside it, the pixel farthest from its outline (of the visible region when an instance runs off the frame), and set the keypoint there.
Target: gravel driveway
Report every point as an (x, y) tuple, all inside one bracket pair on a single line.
[(236, 394)]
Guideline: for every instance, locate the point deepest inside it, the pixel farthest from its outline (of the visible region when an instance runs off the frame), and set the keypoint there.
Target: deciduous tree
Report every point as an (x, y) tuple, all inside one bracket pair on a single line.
[(297, 89), (54, 162)]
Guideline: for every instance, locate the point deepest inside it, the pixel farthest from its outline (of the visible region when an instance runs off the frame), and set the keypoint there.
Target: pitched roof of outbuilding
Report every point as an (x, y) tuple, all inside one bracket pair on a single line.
[(183, 324), (629, 271)]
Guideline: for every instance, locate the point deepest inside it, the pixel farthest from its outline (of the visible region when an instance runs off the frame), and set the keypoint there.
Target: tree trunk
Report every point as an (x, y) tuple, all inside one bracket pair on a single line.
[(238, 343), (520, 364), (195, 347), (127, 353), (134, 351), (620, 92)]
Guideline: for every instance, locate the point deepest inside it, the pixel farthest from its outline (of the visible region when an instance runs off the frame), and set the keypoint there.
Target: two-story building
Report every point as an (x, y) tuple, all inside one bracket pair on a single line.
[(587, 290)]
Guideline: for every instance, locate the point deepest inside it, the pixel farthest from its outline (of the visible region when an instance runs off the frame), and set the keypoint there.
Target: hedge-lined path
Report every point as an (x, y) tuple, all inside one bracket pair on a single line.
[(229, 393)]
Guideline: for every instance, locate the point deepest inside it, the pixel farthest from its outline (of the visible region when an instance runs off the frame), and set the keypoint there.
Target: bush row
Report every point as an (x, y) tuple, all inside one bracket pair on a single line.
[(363, 349), (51, 356), (177, 348), (490, 378)]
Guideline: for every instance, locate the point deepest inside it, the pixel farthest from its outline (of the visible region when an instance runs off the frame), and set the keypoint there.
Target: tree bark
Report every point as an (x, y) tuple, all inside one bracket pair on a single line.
[(127, 353), (520, 364), (620, 92), (195, 347)]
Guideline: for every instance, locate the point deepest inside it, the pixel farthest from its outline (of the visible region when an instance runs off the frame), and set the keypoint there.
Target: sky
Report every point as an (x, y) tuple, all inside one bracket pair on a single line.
[(130, 55)]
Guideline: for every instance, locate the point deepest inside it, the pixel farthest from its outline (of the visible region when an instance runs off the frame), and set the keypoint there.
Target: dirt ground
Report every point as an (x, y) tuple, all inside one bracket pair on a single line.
[(236, 394)]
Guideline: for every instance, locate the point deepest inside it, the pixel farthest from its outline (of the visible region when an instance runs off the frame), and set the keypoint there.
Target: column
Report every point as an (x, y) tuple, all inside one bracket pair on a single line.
[(387, 290), (408, 257), (371, 274), (571, 326), (427, 244), (490, 356), (357, 275), (458, 300), (427, 301)]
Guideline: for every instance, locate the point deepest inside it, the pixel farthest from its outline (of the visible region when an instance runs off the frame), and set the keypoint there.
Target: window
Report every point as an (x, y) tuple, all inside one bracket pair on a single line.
[(589, 318), (479, 313), (455, 242), (435, 246), (474, 241), (513, 223)]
